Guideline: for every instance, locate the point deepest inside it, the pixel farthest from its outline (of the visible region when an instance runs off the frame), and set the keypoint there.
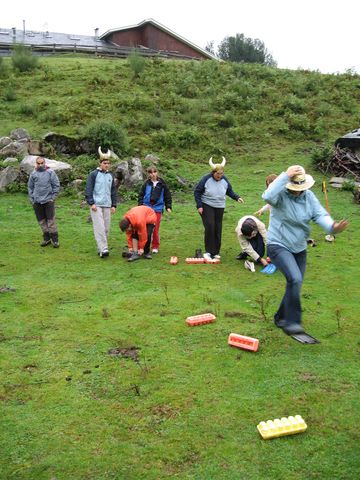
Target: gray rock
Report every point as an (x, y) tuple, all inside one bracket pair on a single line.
[(7, 176), (27, 165), (129, 173), (152, 158), (4, 141), (19, 134), (14, 148)]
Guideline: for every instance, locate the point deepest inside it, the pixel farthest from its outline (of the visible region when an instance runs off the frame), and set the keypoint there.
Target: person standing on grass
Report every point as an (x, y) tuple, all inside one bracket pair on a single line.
[(138, 223), (100, 194), (156, 195), (210, 197), (293, 207), (43, 188)]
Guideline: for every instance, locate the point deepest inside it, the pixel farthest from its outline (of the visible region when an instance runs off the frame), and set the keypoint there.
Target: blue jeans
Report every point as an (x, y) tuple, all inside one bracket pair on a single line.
[(292, 266)]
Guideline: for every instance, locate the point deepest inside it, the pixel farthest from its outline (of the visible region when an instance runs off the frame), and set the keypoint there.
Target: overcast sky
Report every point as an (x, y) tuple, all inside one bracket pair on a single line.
[(311, 34)]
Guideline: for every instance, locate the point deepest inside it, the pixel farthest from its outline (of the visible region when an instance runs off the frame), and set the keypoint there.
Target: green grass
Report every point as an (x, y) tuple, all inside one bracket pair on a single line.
[(188, 408), (190, 405)]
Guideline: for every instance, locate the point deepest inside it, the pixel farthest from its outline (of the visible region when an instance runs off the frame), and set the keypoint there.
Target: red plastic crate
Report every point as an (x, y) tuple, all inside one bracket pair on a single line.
[(200, 319), (195, 261), (246, 343)]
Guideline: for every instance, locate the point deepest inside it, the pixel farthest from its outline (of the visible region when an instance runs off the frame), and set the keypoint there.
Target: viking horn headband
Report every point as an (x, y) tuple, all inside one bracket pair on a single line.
[(217, 165), (104, 156)]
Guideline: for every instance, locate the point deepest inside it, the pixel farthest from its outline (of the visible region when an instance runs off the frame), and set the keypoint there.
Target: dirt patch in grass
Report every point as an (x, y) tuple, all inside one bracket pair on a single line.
[(127, 352)]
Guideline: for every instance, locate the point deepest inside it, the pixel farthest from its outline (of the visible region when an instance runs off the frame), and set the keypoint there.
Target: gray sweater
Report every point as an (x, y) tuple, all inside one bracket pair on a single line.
[(43, 187)]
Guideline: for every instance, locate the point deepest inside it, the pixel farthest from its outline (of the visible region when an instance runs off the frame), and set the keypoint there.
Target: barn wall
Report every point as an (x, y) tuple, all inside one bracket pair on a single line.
[(154, 38)]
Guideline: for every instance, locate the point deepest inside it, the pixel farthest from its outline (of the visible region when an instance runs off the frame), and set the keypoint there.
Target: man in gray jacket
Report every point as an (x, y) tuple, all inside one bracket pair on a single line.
[(43, 188), (100, 194)]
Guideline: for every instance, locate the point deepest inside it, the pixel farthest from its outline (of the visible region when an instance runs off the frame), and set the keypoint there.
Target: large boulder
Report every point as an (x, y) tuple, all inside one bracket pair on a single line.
[(4, 141), (14, 149), (20, 134), (67, 145), (129, 174), (7, 176), (62, 169)]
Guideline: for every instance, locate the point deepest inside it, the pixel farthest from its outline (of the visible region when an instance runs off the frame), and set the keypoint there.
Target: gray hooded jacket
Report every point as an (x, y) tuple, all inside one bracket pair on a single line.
[(43, 186)]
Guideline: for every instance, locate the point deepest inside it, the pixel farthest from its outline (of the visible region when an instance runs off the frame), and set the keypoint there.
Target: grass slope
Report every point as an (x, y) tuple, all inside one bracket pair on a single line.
[(184, 405)]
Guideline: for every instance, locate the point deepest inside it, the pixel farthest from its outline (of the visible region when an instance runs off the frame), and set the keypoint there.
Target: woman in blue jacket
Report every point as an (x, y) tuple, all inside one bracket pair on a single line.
[(210, 197), (156, 195), (293, 207)]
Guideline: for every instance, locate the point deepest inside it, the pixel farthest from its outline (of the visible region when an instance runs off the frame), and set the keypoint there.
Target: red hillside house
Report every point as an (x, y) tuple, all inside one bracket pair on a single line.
[(150, 34)]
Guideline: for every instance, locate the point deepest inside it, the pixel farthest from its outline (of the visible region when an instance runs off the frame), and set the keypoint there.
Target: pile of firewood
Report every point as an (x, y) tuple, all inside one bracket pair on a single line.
[(344, 163)]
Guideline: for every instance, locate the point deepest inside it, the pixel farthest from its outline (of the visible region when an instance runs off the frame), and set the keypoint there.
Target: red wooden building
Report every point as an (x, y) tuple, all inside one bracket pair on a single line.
[(150, 34)]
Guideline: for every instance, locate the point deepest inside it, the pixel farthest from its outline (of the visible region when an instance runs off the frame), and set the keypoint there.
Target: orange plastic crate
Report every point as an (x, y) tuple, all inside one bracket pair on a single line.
[(173, 260), (195, 261), (200, 319), (246, 343)]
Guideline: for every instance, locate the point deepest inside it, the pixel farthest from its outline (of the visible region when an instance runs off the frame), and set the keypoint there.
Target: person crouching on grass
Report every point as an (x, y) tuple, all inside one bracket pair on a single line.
[(138, 223), (251, 234), (293, 207)]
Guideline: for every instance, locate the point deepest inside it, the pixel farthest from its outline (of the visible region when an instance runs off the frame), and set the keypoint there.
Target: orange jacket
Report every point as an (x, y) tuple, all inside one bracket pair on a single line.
[(139, 217)]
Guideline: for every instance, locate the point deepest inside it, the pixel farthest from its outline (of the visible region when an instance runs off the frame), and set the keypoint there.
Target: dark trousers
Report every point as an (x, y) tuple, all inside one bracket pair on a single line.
[(212, 221), (258, 245), (149, 228), (45, 215), (292, 266)]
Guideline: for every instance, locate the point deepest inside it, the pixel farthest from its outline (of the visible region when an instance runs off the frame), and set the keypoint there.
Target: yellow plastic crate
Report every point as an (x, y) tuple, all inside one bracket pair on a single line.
[(285, 426)]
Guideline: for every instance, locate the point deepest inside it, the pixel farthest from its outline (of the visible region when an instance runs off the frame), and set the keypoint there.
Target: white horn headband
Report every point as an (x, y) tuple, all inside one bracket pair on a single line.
[(104, 156), (217, 165)]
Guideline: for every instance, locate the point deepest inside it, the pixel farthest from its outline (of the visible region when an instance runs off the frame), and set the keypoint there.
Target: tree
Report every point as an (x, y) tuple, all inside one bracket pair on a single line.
[(210, 47), (243, 49)]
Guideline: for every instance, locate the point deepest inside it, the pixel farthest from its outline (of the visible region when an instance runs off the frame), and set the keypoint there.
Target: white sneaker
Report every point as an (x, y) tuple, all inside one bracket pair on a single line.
[(249, 266), (217, 257), (207, 257), (155, 250)]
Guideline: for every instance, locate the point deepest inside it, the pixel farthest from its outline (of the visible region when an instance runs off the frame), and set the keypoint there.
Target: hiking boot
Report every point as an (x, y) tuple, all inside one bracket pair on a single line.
[(104, 253), (198, 253), (241, 256), (46, 241), (134, 256), (56, 244), (147, 256), (249, 266)]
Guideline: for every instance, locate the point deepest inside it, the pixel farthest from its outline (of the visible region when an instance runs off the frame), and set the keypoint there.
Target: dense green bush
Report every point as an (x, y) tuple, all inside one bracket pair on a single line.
[(321, 154), (3, 68), (107, 135), (22, 59), (137, 63)]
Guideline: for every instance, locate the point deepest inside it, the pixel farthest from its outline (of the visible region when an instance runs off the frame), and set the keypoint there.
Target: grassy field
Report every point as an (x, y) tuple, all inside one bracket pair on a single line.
[(101, 377), (178, 402)]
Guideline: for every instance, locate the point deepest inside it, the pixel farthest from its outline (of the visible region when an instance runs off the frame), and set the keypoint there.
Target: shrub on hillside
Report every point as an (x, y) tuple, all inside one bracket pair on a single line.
[(107, 135), (22, 59), (324, 153), (3, 68), (137, 63)]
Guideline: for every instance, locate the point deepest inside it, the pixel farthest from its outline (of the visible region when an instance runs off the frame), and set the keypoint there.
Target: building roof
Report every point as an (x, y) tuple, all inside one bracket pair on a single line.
[(29, 37), (164, 29)]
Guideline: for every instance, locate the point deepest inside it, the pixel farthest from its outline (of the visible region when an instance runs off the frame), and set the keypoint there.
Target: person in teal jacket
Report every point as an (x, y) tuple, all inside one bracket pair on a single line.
[(294, 206)]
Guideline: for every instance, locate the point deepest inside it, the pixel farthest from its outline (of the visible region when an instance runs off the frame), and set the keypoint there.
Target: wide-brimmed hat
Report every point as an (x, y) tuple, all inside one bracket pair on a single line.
[(300, 182)]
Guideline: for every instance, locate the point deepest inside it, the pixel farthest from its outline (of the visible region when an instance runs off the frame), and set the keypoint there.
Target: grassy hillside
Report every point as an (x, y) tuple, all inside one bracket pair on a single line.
[(182, 404)]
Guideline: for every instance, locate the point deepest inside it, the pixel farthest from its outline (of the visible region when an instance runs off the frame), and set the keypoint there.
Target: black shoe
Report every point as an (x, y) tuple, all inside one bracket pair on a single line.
[(242, 256), (198, 253), (45, 243), (126, 254), (134, 256), (279, 322), (293, 329), (56, 244), (147, 256)]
